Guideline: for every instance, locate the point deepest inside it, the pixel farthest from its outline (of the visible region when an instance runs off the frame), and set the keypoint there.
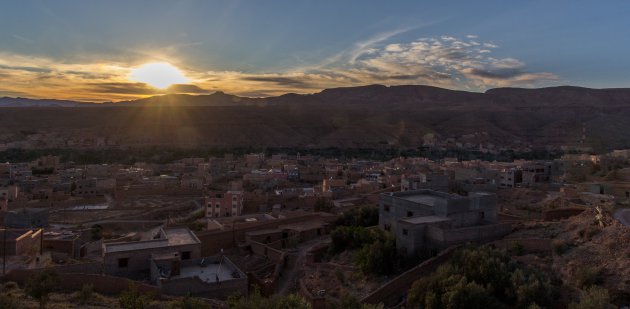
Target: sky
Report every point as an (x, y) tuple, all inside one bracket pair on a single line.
[(95, 50)]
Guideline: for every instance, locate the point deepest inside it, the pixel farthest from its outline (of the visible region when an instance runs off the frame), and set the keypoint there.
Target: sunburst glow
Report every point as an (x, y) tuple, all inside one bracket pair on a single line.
[(158, 74)]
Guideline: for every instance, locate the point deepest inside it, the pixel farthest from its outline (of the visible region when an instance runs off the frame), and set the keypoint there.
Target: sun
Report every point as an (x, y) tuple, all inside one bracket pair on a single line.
[(160, 75)]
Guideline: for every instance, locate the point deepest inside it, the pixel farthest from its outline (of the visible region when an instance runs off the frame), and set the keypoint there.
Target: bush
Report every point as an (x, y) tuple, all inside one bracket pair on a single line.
[(256, 301), (190, 303), (10, 302), (587, 276), (11, 285), (86, 293), (559, 246), (593, 298), (132, 298), (380, 257), (41, 285), (350, 238), (365, 216), (588, 232), (482, 278), (516, 248)]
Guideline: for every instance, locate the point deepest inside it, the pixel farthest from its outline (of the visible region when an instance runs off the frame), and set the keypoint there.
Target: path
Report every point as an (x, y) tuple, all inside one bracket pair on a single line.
[(290, 272)]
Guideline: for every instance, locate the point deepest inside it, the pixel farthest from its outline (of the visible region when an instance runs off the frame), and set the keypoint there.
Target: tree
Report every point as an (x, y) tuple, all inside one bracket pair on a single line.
[(41, 285), (593, 298), (482, 278), (379, 257)]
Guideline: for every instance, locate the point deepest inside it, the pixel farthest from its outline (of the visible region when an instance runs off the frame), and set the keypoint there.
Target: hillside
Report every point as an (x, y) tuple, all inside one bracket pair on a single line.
[(368, 116)]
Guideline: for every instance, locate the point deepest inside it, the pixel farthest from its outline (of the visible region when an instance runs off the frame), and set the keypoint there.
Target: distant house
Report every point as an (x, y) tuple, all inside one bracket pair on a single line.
[(430, 220), (224, 204)]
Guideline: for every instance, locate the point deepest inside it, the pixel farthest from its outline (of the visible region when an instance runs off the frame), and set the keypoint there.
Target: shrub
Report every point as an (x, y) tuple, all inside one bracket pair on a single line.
[(10, 302), (41, 285), (482, 278), (587, 276), (516, 248), (593, 298), (10, 285), (86, 293), (559, 246), (132, 298)]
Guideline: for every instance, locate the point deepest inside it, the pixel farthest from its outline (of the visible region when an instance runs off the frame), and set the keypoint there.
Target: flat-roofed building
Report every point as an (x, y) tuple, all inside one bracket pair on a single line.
[(132, 258), (427, 219)]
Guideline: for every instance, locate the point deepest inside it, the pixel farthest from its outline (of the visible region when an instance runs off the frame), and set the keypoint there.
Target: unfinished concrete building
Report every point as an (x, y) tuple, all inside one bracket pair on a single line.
[(432, 220)]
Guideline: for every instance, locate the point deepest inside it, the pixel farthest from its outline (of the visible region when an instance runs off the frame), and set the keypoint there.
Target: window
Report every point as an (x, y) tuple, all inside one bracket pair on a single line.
[(123, 263), (409, 213), (387, 227), (186, 255), (405, 232), (386, 208)]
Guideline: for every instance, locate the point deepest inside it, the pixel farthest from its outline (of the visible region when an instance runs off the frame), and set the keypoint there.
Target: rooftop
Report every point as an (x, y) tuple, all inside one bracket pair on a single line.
[(210, 272), (180, 236), (174, 237)]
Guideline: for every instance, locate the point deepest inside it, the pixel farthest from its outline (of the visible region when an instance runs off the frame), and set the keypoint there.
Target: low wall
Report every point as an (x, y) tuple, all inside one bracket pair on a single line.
[(562, 213), (73, 282), (391, 292), (198, 288)]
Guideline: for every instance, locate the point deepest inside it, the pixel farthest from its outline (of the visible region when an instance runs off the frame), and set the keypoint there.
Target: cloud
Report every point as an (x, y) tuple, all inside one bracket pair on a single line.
[(283, 81), (443, 61), (122, 88)]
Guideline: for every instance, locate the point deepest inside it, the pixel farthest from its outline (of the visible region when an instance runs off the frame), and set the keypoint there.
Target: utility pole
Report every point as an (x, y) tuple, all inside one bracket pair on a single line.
[(4, 251)]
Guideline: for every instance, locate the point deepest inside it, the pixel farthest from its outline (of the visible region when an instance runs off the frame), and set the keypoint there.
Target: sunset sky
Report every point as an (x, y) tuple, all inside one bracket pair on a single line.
[(117, 50)]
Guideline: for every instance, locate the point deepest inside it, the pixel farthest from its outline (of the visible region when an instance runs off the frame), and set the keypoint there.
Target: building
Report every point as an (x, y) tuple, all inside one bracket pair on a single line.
[(133, 258), (224, 204), (433, 181), (510, 178), (431, 220), (21, 242)]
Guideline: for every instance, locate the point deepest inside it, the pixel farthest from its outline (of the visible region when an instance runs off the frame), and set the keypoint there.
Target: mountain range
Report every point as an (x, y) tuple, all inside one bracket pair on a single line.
[(365, 116)]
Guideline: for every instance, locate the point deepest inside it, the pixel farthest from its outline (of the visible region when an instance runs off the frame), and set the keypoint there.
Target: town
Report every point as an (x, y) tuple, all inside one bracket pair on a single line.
[(335, 231)]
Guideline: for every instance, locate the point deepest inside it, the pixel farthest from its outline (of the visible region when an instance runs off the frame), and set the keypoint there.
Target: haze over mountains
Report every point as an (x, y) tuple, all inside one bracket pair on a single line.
[(368, 116), (407, 96)]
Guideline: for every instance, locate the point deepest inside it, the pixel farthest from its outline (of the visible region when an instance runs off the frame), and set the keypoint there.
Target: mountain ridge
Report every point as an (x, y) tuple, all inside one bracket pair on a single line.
[(392, 96)]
